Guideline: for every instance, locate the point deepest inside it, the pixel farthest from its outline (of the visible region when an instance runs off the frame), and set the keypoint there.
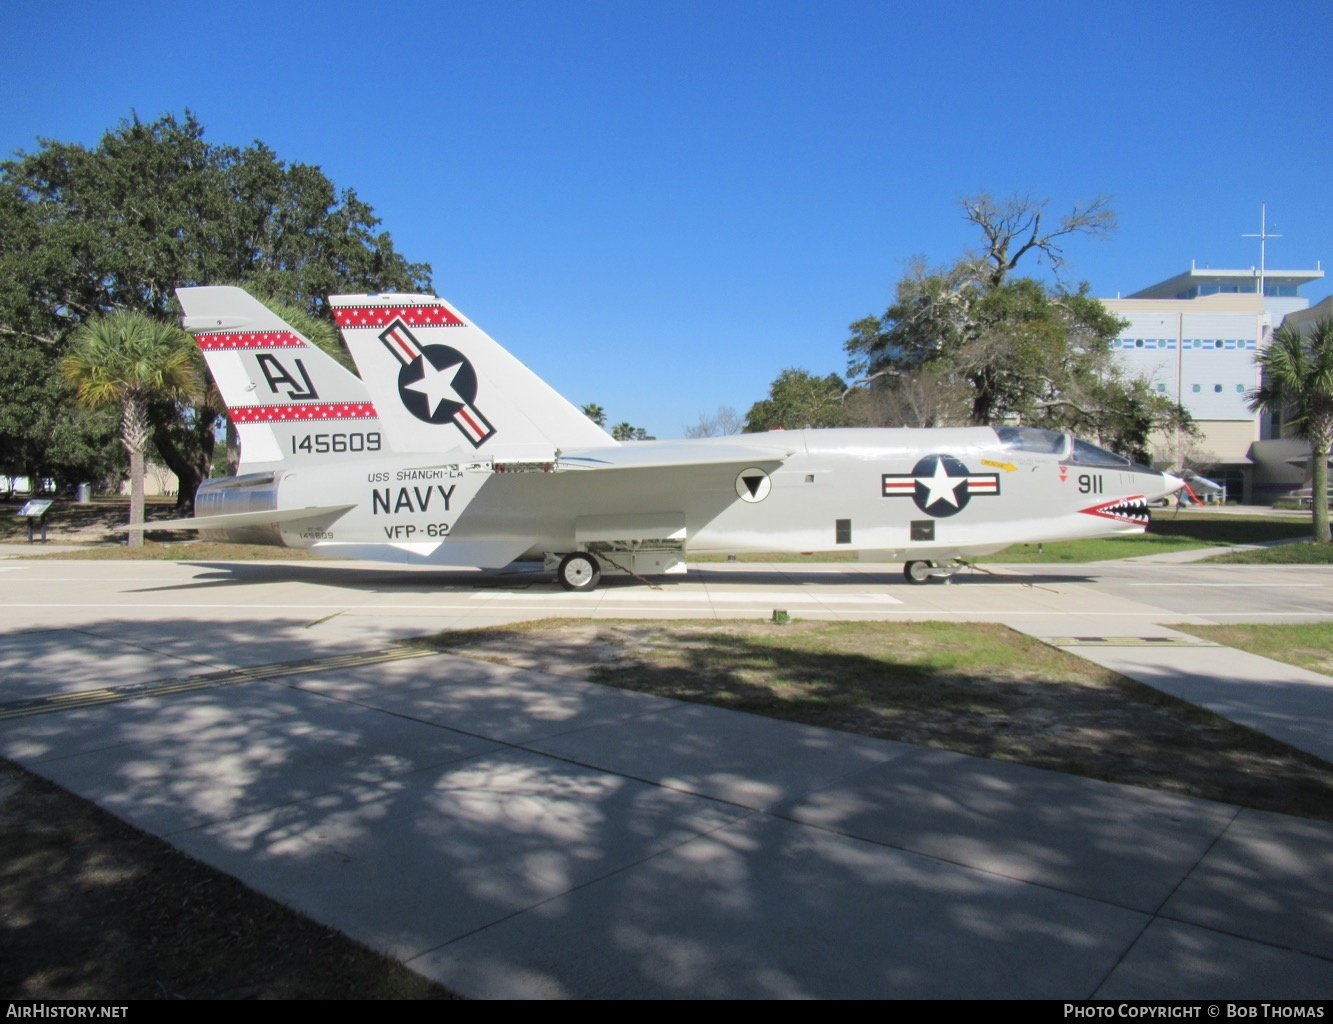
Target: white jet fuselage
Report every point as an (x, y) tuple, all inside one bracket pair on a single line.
[(449, 451), (934, 494)]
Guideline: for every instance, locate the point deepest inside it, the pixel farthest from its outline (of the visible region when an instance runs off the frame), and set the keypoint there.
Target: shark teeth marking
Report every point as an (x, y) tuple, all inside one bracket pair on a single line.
[(1133, 510)]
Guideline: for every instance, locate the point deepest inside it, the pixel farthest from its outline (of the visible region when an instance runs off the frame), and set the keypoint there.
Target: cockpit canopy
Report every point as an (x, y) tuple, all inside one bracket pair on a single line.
[(1052, 442), (1087, 454), (1034, 439)]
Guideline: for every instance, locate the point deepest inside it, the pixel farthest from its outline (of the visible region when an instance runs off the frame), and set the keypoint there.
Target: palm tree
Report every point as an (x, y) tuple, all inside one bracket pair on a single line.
[(595, 413), (1298, 383), (130, 359)]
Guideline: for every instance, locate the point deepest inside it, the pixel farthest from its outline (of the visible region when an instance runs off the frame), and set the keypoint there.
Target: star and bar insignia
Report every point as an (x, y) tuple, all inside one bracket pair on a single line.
[(437, 384), (940, 485)]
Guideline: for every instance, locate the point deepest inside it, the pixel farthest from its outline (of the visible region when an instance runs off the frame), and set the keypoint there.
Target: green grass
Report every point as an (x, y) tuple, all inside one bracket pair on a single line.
[(1098, 550), (1168, 532), (1307, 645), (1307, 553)]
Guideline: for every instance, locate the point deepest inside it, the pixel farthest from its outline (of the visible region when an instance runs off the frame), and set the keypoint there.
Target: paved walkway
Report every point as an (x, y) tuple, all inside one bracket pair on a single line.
[(513, 833)]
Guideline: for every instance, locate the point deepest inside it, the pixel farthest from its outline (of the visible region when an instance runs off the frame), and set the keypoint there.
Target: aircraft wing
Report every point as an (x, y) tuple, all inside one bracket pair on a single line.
[(670, 454), (235, 520), (480, 553)]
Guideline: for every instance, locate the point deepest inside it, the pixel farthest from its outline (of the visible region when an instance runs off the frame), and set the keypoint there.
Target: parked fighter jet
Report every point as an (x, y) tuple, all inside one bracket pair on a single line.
[(449, 451)]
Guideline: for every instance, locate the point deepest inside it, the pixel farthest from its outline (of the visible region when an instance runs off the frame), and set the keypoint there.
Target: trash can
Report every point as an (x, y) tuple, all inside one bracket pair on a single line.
[(83, 493)]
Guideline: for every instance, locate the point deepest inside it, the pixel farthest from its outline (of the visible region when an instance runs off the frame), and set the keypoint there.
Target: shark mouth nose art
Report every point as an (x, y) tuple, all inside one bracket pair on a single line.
[(1133, 510)]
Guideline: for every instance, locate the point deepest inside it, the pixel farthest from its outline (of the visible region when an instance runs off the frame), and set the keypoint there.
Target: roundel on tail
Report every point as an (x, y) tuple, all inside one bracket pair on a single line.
[(437, 384)]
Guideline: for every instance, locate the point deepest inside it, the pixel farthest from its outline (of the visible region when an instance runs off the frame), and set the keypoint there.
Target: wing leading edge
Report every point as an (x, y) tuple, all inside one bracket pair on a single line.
[(669, 455)]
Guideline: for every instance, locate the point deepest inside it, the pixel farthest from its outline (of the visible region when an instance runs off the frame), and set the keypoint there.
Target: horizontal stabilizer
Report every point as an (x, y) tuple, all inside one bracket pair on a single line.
[(236, 520)]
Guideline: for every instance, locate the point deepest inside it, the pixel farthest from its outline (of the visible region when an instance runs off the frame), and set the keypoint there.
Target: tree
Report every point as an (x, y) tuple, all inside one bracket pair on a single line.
[(1297, 381), (1012, 229), (926, 397), (622, 431), (154, 206), (44, 431), (798, 399), (721, 424), (625, 431), (1007, 349), (971, 343), (130, 360), (1126, 415)]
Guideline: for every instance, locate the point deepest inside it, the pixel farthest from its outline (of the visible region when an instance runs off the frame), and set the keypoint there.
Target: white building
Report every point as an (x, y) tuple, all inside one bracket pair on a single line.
[(1195, 337)]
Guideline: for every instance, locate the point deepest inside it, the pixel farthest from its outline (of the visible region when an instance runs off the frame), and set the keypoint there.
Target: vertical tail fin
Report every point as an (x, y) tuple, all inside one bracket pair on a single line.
[(288, 400), (441, 383)]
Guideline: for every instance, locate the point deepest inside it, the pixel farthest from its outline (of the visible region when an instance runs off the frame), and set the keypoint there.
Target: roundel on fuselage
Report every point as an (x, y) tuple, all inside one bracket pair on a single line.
[(940, 485), (753, 485)]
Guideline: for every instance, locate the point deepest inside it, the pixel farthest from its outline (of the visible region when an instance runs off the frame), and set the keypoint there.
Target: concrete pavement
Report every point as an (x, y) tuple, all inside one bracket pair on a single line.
[(514, 833)]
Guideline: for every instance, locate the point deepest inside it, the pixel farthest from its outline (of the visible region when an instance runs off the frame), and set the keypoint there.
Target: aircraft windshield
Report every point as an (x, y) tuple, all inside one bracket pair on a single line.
[(1032, 439), (1086, 454)]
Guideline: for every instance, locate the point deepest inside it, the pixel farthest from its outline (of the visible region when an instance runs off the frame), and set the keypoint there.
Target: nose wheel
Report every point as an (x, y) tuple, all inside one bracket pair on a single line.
[(917, 572), (920, 572)]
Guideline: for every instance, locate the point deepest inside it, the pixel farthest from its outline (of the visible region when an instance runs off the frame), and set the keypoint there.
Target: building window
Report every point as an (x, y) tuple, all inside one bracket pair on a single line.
[(1217, 389), (1196, 389)]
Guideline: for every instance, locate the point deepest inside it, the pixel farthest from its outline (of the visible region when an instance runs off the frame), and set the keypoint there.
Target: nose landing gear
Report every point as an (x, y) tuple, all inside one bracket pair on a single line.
[(920, 572)]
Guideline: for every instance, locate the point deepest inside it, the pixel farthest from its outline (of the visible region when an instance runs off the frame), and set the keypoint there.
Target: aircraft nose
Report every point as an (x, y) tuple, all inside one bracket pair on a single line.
[(1171, 484)]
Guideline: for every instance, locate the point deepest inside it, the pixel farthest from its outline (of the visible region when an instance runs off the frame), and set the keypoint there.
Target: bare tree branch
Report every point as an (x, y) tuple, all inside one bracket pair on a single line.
[(45, 339), (1056, 403), (1012, 228)]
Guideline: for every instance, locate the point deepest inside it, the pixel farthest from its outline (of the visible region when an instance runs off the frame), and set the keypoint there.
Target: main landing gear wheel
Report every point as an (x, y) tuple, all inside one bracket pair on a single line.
[(579, 571), (917, 572)]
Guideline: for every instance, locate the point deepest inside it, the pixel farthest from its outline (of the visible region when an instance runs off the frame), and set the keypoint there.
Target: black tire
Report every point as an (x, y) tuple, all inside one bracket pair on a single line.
[(579, 571), (917, 572)]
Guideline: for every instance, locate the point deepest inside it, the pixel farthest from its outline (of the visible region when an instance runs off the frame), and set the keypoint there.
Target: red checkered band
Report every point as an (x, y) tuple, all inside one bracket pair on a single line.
[(308, 411), (248, 340), (378, 316)]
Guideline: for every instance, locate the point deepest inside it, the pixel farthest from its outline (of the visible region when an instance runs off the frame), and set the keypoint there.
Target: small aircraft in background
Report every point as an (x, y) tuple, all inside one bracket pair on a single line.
[(1199, 490), (448, 451)]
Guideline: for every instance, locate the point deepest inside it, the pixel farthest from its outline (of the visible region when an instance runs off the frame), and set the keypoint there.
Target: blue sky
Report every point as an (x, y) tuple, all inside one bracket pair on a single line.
[(659, 206)]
